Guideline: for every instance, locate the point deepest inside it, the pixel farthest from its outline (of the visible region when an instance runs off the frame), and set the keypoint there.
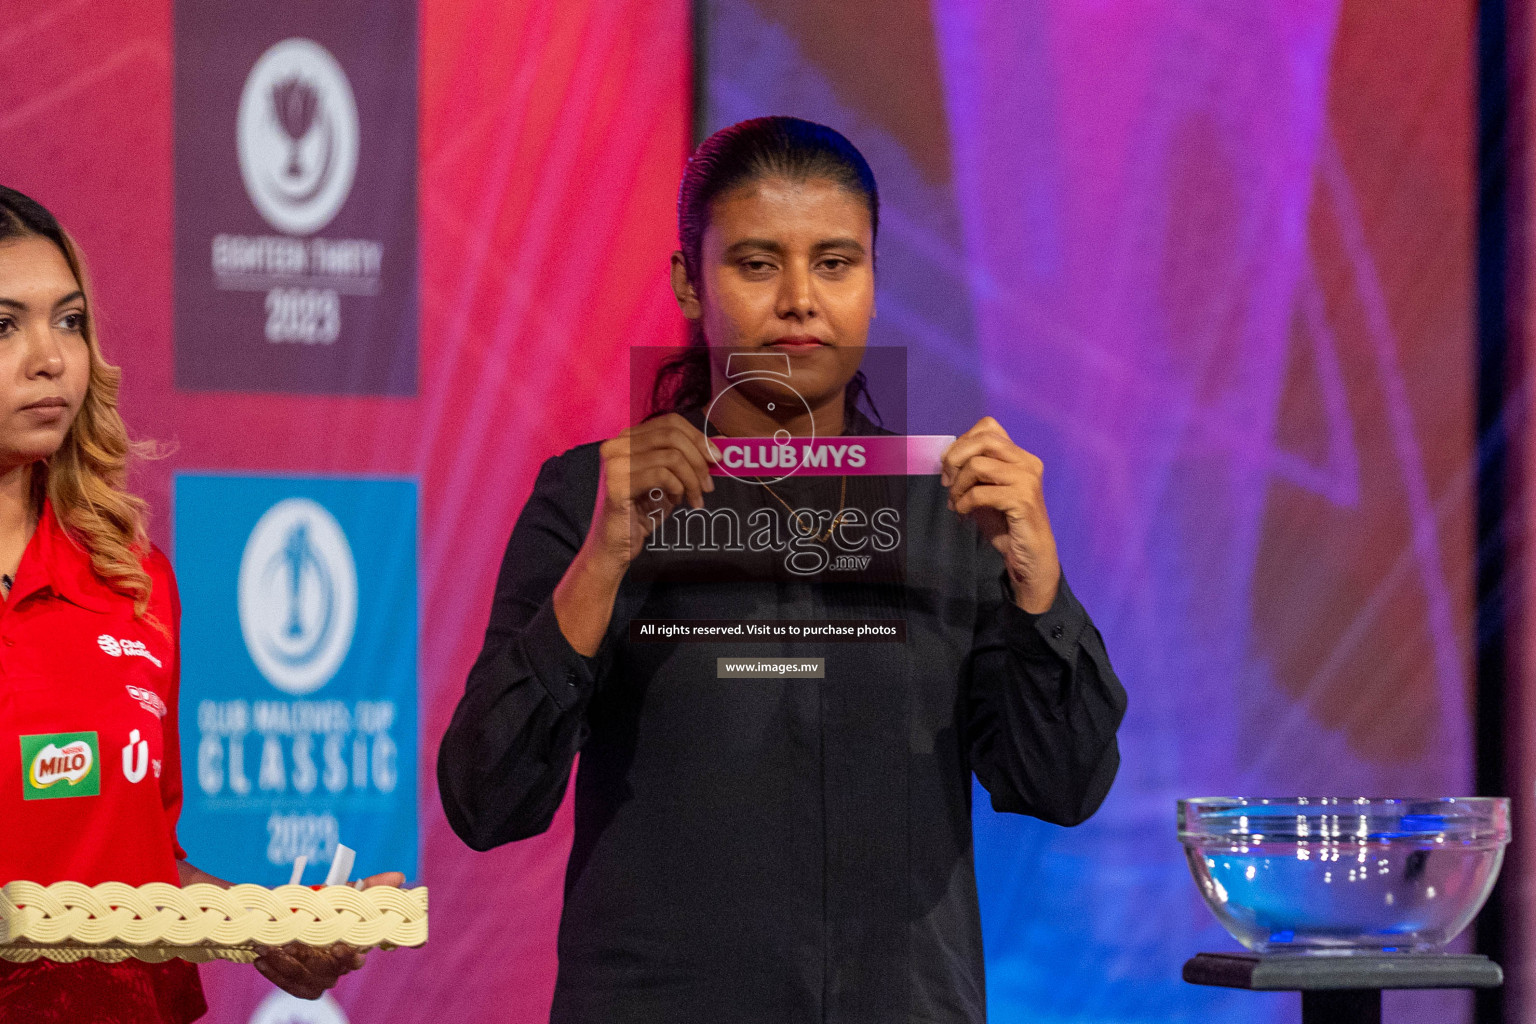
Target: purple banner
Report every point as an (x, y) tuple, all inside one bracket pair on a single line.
[(295, 193)]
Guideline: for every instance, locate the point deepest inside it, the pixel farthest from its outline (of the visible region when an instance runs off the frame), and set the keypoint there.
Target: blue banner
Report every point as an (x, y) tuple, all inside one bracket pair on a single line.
[(298, 677)]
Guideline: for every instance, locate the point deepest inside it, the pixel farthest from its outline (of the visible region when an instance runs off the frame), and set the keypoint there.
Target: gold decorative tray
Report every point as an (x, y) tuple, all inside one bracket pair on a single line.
[(68, 921)]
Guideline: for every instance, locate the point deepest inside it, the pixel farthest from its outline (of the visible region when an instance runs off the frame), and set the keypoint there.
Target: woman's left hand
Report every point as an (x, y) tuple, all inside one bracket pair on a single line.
[(307, 971), (998, 483)]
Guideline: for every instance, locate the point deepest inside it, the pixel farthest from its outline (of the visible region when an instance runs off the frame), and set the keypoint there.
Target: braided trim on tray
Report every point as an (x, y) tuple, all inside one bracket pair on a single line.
[(26, 952), (118, 917)]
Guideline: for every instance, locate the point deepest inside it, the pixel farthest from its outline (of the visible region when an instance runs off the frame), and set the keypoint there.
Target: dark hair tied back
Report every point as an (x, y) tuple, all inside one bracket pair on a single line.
[(22, 215), (745, 153)]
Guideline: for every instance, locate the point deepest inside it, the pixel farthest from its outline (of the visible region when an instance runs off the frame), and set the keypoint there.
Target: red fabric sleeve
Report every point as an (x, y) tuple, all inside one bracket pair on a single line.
[(170, 775)]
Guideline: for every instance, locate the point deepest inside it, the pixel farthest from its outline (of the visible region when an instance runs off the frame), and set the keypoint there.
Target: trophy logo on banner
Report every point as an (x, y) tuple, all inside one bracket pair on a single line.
[(281, 1008), (297, 595), (295, 197), (298, 136)]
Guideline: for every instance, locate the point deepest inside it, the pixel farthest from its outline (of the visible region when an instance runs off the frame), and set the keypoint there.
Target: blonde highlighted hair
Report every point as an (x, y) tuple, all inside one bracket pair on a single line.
[(86, 480)]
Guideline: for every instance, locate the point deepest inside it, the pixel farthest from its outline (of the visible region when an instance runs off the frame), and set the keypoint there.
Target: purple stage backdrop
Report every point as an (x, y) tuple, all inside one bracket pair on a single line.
[(1212, 263)]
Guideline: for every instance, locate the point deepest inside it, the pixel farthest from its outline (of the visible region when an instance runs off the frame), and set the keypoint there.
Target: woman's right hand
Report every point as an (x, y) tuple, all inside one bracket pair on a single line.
[(645, 472)]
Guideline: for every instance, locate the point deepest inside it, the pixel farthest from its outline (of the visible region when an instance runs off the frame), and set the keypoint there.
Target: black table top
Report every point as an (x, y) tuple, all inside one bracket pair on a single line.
[(1296, 972)]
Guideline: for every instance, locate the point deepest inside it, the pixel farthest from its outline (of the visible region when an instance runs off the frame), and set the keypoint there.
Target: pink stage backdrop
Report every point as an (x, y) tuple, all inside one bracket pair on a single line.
[(552, 135), (1212, 263)]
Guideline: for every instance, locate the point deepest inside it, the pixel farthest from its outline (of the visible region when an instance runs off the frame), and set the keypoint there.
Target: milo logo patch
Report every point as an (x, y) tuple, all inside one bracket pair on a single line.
[(60, 764)]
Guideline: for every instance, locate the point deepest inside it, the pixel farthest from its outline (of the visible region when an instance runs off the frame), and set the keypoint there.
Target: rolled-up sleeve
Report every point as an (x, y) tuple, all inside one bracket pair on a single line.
[(1043, 703), (505, 761)]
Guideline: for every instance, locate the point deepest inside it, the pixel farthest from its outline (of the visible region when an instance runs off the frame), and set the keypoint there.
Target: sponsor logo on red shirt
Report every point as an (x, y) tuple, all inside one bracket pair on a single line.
[(132, 648), (136, 757), (149, 700), (67, 757)]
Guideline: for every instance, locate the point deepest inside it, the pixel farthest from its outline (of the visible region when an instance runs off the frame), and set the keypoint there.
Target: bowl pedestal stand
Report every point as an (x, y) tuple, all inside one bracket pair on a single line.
[(1343, 989)]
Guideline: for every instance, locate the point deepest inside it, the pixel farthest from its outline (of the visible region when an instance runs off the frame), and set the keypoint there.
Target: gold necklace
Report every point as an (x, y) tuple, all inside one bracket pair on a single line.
[(837, 520), (842, 498)]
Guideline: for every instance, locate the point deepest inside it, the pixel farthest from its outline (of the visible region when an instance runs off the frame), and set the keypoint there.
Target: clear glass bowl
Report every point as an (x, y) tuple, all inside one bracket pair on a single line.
[(1344, 874)]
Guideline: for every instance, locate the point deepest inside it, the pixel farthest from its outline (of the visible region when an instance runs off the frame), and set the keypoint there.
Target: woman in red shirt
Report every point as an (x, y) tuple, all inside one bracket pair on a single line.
[(90, 770)]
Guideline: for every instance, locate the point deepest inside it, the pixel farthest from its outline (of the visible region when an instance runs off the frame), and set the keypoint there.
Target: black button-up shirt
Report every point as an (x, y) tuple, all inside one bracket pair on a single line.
[(775, 850)]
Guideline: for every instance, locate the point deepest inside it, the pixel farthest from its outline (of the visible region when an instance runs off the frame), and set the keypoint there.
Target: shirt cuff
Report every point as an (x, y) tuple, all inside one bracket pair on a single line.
[(1057, 629), (567, 674)]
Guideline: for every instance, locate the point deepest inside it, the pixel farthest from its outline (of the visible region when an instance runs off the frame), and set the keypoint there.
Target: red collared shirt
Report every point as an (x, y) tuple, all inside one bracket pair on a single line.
[(90, 766)]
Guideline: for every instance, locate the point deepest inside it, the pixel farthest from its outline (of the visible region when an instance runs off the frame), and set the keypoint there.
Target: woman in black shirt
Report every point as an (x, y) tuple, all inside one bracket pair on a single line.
[(777, 849)]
